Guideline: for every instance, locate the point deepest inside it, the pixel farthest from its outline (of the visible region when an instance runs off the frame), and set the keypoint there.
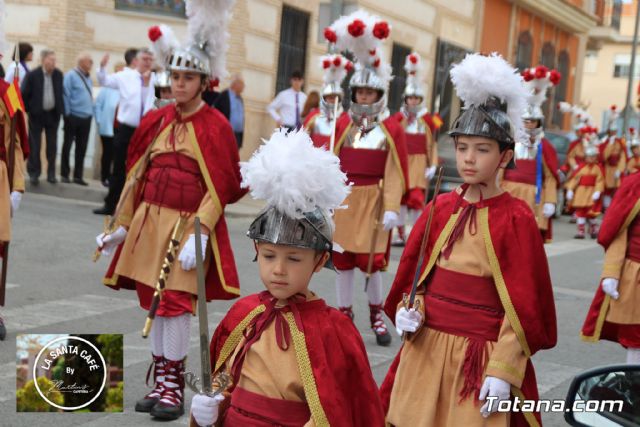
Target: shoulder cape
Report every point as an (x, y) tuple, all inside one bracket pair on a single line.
[(217, 155), (21, 127), (520, 272), (624, 208), (550, 158), (339, 387), (310, 119)]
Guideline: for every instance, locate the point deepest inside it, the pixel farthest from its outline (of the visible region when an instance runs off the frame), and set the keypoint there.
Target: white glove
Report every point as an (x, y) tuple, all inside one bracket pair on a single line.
[(15, 197), (617, 174), (389, 220), (107, 243), (596, 196), (569, 194), (610, 287), (430, 172), (407, 320), (548, 210), (187, 255), (205, 409), (494, 387)]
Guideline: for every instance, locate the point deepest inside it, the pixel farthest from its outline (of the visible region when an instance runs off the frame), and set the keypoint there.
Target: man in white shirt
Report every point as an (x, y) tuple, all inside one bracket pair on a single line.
[(135, 84), (287, 106)]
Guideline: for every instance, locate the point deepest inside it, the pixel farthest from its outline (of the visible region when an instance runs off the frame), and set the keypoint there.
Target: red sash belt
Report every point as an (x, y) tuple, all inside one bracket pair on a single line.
[(174, 181), (250, 409), (587, 181), (363, 166), (633, 237), (613, 160), (467, 306), (524, 173), (416, 143)]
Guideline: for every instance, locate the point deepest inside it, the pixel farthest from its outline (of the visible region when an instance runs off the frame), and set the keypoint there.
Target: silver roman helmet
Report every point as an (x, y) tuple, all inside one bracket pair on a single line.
[(335, 68), (414, 85), (494, 100), (363, 34), (301, 185)]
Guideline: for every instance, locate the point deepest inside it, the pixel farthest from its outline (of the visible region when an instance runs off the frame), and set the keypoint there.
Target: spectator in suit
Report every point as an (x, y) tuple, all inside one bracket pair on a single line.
[(230, 104), (26, 55), (42, 95), (105, 112), (78, 114)]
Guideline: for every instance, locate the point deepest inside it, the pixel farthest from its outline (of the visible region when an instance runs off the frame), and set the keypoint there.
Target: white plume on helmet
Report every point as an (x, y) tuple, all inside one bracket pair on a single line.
[(295, 177), (414, 83), (363, 34), (207, 23), (578, 113), (163, 41), (335, 68), (477, 78)]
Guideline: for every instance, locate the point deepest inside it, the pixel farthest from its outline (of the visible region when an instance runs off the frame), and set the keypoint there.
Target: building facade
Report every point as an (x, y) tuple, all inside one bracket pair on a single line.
[(553, 33), (608, 60), (268, 40)]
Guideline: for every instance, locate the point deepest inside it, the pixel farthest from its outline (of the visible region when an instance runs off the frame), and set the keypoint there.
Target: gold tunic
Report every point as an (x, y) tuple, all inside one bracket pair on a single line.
[(426, 391), (150, 226), (614, 149), (626, 309), (582, 196), (355, 225), (18, 175)]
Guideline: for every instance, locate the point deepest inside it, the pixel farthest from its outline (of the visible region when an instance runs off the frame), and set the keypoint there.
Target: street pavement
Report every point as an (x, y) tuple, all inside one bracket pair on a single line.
[(54, 287)]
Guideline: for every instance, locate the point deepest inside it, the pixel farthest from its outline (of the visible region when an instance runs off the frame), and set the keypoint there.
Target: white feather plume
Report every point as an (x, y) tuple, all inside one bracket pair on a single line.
[(477, 78), (288, 172), (3, 40), (207, 22), (415, 71), (334, 73), (165, 44)]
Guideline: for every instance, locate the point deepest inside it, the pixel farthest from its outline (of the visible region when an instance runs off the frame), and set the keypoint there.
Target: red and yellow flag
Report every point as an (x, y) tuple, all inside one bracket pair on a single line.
[(437, 121), (13, 98)]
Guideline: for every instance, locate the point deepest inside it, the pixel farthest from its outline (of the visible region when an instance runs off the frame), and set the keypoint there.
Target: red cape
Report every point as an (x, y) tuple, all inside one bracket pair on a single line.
[(220, 158), (347, 392), (550, 156), (625, 207), (521, 270), (21, 128), (312, 115), (398, 143)]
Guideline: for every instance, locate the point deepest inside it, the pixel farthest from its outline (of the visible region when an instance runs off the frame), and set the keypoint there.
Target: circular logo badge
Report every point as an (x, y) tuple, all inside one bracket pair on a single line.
[(84, 369)]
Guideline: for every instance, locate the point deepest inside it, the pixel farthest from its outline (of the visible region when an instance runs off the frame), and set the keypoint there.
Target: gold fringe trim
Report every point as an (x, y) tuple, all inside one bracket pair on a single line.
[(236, 336), (499, 281), (506, 368), (442, 239), (394, 153), (338, 146), (306, 373)]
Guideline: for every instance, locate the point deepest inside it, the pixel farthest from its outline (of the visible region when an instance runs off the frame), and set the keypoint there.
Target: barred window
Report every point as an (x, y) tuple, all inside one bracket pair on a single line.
[(396, 88), (292, 57)]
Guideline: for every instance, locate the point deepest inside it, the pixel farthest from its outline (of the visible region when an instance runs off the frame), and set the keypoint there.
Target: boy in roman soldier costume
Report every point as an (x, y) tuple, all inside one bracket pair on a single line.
[(420, 128), (320, 121), (14, 149), (575, 152), (584, 191), (293, 360), (613, 315), (535, 178), (484, 283), (373, 154), (613, 154), (633, 165), (182, 162)]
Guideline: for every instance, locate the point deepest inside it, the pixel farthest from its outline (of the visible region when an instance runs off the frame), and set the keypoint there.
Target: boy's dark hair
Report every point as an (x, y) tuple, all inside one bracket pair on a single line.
[(24, 49), (296, 75), (129, 54)]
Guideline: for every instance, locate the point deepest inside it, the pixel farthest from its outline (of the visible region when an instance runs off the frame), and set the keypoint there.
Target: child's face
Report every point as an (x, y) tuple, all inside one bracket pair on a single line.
[(287, 270), (591, 159), (635, 151), (478, 159)]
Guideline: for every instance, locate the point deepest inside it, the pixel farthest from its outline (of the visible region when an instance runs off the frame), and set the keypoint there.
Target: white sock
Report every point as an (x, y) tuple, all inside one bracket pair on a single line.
[(581, 221), (344, 288), (155, 336), (176, 336), (374, 291), (414, 215), (633, 356), (402, 218)]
